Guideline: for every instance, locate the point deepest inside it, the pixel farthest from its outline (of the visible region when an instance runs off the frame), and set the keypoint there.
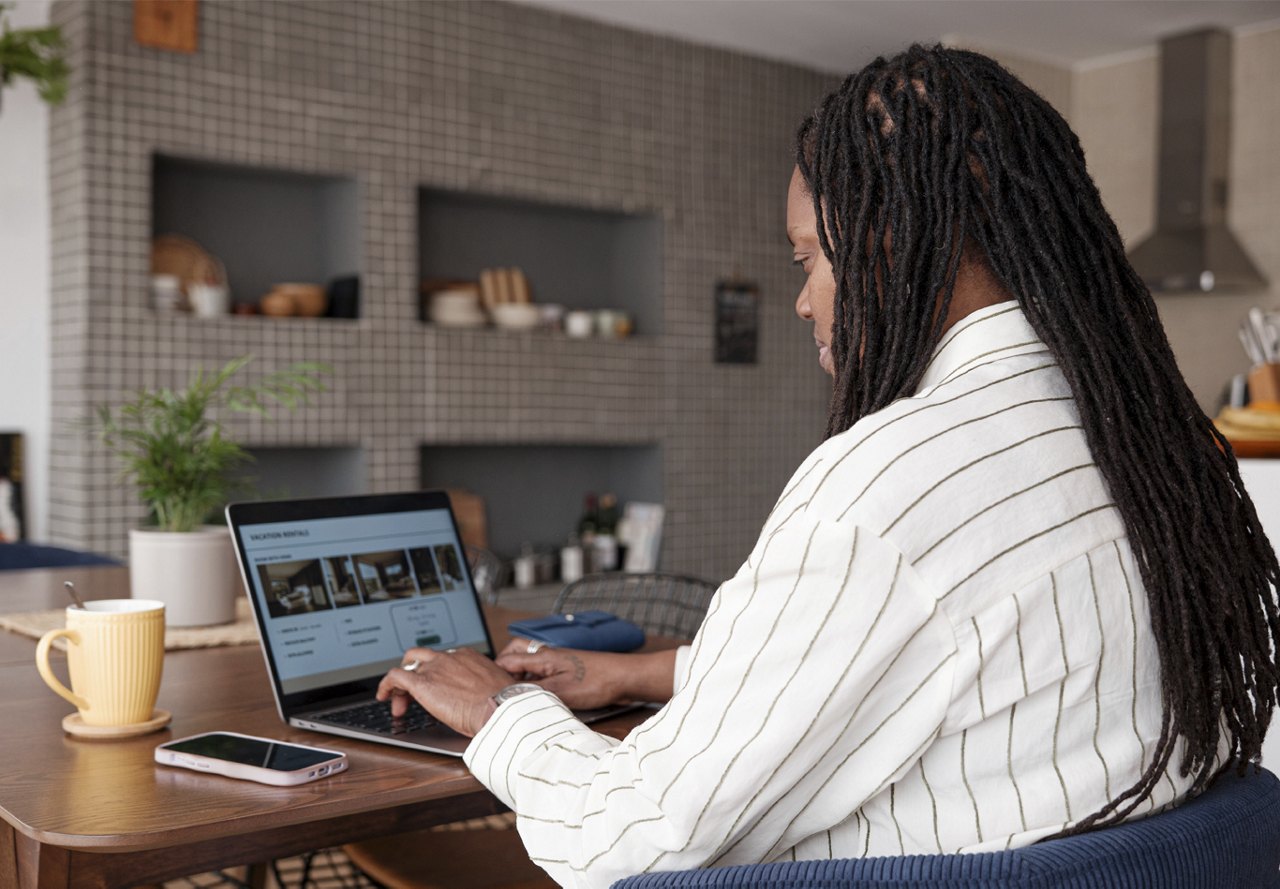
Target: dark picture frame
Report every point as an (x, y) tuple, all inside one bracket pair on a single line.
[(737, 323)]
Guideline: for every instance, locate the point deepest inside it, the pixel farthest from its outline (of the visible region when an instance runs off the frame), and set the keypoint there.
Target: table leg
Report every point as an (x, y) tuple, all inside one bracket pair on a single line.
[(28, 864), (8, 855)]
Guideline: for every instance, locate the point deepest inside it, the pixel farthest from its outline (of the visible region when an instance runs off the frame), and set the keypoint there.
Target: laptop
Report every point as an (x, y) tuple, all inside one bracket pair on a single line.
[(341, 588)]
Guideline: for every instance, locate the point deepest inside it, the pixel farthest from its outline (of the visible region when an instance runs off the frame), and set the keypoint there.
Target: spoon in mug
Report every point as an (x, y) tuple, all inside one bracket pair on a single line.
[(71, 591)]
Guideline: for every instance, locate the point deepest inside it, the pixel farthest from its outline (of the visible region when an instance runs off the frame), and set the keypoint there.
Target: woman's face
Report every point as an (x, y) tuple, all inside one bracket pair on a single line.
[(816, 301)]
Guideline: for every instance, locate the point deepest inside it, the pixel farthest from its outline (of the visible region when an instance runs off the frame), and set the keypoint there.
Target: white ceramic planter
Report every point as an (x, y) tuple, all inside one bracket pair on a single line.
[(193, 573)]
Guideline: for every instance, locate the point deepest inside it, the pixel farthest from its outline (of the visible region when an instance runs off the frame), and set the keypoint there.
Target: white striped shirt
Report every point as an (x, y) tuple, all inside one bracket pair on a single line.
[(940, 643)]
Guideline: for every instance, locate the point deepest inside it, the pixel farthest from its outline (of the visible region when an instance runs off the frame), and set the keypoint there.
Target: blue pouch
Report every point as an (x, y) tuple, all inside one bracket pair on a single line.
[(587, 630)]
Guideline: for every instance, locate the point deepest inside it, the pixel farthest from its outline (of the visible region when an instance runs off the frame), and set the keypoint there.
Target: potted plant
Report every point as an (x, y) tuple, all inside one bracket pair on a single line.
[(36, 54), (173, 447)]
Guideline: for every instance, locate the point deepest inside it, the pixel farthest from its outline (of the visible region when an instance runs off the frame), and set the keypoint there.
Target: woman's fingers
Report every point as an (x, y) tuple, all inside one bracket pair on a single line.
[(523, 664), (454, 686), (517, 645), (397, 687)]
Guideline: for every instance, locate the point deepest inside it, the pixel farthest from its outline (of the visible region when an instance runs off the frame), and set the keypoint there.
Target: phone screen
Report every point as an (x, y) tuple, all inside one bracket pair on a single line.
[(252, 752)]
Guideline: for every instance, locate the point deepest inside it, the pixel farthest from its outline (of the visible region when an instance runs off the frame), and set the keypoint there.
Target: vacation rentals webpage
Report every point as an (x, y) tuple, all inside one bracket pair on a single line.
[(345, 597)]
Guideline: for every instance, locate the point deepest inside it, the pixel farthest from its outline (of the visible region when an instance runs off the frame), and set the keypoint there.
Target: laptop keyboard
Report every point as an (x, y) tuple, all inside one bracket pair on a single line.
[(376, 717)]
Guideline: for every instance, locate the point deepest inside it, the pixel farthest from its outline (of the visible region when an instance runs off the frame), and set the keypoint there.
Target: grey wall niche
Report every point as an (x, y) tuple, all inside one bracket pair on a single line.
[(393, 106), (286, 473), (534, 493), (575, 257), (267, 226)]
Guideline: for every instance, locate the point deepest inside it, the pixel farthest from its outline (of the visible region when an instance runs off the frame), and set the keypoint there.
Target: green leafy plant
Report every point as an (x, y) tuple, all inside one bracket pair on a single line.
[(34, 53), (176, 451)]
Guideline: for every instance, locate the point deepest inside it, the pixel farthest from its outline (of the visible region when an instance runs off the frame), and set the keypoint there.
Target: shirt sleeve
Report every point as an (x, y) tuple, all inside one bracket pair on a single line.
[(822, 672), (681, 672)]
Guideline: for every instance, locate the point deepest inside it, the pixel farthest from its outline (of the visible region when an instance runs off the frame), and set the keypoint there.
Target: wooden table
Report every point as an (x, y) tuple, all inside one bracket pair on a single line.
[(80, 813)]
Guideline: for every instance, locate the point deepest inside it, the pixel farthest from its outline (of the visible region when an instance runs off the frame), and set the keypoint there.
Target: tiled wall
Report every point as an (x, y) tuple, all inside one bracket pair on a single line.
[(486, 97)]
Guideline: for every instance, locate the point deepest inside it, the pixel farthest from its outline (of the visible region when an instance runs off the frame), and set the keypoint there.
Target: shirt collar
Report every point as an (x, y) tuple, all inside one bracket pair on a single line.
[(995, 328)]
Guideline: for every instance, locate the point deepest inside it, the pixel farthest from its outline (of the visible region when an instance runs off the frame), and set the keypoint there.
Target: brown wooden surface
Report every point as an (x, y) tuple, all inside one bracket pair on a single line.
[(103, 814), (167, 24)]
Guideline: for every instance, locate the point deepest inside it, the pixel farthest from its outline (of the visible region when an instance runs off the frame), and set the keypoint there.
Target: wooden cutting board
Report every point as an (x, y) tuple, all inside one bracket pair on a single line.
[(468, 510)]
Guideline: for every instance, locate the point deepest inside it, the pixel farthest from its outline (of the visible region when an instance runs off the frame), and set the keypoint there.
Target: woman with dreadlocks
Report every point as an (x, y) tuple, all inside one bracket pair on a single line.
[(1018, 592)]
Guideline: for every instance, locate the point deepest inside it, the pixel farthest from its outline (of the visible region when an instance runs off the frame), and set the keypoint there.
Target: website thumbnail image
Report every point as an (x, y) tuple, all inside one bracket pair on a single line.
[(352, 580)]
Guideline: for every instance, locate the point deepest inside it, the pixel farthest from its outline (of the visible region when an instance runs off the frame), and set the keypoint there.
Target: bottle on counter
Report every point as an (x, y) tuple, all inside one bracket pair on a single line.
[(571, 560), (525, 567), (589, 524), (604, 553), (604, 547), (607, 515)]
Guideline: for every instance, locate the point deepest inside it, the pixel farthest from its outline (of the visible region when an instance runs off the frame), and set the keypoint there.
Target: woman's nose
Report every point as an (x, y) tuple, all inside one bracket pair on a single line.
[(802, 304)]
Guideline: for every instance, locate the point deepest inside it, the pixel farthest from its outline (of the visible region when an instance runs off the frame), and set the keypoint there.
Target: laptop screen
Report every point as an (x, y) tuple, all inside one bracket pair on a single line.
[(341, 597)]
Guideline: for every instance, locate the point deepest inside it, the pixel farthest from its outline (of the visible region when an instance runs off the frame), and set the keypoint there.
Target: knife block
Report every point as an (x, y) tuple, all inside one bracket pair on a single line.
[(1264, 384)]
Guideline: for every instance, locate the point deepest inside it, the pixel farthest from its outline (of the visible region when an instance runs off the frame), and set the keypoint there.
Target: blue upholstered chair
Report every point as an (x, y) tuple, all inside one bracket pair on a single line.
[(23, 556), (1227, 838)]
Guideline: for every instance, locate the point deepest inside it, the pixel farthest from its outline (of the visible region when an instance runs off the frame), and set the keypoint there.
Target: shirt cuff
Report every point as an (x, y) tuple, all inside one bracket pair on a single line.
[(517, 728), (681, 673)]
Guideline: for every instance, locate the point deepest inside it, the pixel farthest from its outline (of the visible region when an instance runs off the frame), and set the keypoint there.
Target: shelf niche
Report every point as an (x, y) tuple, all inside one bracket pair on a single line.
[(267, 226), (534, 493), (578, 258), (278, 473)]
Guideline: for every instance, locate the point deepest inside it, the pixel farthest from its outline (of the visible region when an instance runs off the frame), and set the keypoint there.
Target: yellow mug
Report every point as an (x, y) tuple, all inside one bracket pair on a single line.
[(115, 655)]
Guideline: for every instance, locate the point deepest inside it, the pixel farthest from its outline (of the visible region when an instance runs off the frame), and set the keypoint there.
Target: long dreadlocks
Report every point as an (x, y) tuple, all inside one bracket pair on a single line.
[(938, 153)]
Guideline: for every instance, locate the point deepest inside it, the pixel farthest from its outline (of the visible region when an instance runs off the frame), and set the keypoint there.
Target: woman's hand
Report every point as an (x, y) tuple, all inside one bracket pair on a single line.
[(455, 687), (585, 680)]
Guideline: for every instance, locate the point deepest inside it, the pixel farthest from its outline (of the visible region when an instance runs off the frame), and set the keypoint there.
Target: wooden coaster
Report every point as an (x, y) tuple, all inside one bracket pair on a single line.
[(75, 725)]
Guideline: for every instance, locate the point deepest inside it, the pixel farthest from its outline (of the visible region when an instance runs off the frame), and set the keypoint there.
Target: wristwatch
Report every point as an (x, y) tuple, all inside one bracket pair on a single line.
[(512, 691)]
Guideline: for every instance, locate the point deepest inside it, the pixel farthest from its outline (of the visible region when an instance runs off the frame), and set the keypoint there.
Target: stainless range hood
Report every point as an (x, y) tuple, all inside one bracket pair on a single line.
[(1192, 250)]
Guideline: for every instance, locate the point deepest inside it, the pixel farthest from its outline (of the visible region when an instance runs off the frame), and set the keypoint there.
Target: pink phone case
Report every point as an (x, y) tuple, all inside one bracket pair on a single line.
[(337, 762)]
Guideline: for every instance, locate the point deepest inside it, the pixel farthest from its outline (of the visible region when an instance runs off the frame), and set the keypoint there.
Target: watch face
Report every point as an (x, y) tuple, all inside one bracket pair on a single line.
[(512, 691)]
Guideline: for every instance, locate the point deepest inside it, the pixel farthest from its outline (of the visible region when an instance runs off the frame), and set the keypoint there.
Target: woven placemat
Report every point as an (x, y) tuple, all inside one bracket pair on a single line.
[(243, 631)]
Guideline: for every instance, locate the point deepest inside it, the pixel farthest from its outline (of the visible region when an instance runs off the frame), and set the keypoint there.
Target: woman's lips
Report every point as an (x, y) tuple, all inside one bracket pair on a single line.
[(824, 356)]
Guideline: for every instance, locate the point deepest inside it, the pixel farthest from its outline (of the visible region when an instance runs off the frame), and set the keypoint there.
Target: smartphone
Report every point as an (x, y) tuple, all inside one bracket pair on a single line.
[(252, 759)]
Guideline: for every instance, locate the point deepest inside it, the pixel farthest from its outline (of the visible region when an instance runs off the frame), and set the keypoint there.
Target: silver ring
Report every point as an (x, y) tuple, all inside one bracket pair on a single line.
[(534, 645), (411, 666), (450, 650)]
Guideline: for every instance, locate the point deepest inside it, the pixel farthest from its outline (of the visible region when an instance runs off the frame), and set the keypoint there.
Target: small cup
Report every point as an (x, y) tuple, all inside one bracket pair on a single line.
[(166, 293), (115, 655), (209, 300), (578, 324), (552, 316), (606, 323)]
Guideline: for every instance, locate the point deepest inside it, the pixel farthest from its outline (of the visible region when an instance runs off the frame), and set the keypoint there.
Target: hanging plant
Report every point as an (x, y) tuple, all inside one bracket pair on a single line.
[(36, 54)]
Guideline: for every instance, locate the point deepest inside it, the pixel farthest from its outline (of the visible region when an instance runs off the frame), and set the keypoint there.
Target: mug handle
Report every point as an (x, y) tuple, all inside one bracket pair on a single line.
[(46, 673)]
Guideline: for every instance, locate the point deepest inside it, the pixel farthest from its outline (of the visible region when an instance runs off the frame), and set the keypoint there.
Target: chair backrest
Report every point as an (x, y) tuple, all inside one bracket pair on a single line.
[(662, 604), (1227, 838)]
